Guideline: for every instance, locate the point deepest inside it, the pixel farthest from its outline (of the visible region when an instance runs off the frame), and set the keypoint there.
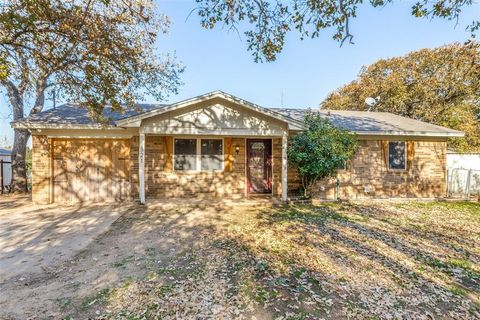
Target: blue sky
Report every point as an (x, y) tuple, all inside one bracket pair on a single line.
[(306, 71)]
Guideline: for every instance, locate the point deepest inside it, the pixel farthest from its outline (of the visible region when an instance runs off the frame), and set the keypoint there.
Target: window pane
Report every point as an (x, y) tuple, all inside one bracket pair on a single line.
[(396, 155), (342, 165), (211, 146), (185, 154), (212, 154)]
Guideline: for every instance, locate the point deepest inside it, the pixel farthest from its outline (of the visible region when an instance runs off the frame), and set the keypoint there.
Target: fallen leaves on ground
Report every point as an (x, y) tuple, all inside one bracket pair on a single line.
[(389, 260)]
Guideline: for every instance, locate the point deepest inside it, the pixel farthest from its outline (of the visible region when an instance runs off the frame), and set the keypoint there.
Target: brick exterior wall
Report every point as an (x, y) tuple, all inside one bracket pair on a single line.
[(41, 163), (367, 175), (161, 182)]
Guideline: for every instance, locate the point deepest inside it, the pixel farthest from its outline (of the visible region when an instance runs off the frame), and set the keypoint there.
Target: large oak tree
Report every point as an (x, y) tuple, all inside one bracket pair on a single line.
[(269, 21), (440, 86), (95, 52)]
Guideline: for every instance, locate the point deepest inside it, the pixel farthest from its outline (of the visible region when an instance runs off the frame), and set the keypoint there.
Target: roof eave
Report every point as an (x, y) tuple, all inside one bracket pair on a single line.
[(40, 125), (452, 134)]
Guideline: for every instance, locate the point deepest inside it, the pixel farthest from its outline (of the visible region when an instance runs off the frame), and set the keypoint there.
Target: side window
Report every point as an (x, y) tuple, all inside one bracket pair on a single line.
[(397, 155), (185, 154), (342, 166)]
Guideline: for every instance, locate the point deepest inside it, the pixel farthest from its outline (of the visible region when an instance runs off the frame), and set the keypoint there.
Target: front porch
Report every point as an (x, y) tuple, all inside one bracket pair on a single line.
[(161, 171), (199, 147)]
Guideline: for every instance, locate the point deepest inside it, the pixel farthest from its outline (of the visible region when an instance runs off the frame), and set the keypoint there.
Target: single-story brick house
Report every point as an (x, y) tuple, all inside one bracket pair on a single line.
[(220, 145)]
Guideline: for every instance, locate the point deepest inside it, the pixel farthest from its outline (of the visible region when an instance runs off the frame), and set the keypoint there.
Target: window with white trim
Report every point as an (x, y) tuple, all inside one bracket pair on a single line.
[(198, 154), (397, 155), (211, 154), (185, 154)]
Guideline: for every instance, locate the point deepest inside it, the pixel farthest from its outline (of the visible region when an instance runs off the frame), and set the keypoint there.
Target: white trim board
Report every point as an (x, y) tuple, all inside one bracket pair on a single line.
[(119, 133)]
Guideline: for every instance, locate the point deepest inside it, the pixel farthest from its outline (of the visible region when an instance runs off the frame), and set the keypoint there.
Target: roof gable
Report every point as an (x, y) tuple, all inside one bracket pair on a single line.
[(215, 116), (135, 121)]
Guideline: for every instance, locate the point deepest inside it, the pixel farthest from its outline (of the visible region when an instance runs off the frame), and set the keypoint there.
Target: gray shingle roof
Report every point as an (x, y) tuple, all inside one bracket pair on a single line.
[(5, 152), (363, 122), (73, 114)]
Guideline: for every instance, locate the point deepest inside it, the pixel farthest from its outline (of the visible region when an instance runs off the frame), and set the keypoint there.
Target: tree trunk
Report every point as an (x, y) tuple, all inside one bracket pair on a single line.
[(305, 187), (19, 168), (19, 176)]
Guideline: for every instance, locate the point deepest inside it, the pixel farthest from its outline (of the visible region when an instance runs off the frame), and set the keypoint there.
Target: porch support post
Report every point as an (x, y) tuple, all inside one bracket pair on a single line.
[(284, 167), (141, 168)]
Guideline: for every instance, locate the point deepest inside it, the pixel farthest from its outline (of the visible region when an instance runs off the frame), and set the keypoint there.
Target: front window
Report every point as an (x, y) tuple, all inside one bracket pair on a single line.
[(397, 155), (185, 154), (211, 154), (198, 154)]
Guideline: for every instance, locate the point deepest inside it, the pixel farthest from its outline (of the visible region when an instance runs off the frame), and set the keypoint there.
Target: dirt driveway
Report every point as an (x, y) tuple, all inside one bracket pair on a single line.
[(59, 261), (33, 238)]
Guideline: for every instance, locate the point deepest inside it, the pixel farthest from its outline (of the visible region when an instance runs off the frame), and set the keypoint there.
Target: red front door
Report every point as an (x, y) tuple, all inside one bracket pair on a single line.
[(259, 166)]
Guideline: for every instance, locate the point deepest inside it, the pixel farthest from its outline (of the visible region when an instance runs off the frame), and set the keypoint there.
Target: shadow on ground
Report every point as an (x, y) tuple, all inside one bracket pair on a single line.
[(210, 260)]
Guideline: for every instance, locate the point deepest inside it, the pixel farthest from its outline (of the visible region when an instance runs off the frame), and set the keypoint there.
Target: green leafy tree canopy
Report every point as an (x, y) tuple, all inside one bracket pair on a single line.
[(269, 21), (440, 86), (95, 52), (320, 150)]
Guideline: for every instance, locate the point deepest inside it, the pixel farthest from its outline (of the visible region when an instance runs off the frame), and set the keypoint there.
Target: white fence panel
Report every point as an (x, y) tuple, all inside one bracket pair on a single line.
[(463, 161), (463, 182), (463, 174), (7, 170)]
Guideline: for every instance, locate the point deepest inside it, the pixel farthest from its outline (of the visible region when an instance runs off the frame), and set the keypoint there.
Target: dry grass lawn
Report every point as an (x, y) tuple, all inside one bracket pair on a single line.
[(383, 260)]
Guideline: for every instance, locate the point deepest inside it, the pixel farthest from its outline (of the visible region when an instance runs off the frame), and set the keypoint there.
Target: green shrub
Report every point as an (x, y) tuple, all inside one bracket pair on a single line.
[(320, 150)]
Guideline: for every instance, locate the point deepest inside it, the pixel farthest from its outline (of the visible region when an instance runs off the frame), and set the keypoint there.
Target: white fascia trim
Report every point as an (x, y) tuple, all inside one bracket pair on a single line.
[(105, 135), (411, 133), (30, 125), (208, 96), (85, 133)]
